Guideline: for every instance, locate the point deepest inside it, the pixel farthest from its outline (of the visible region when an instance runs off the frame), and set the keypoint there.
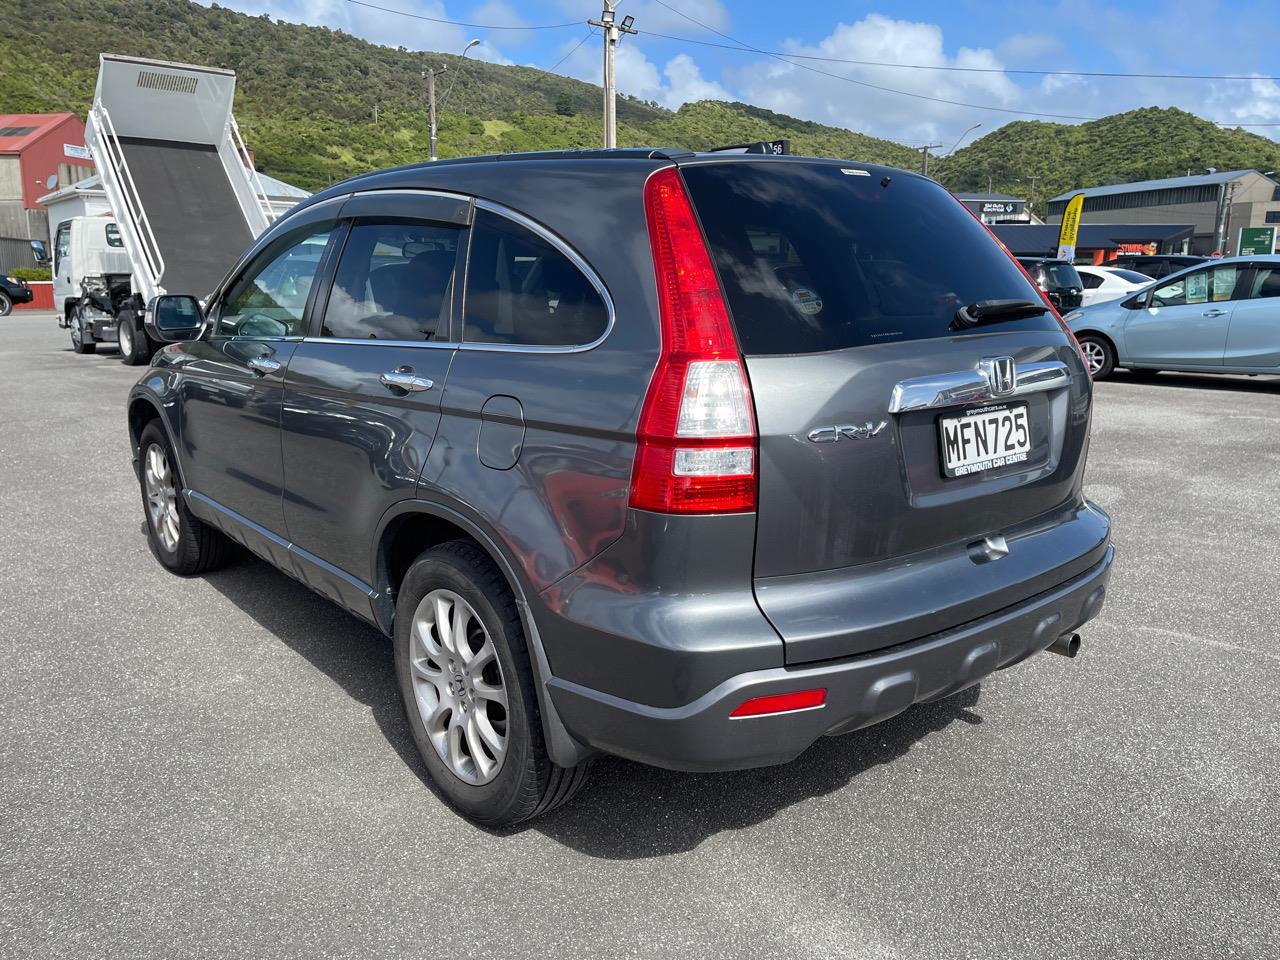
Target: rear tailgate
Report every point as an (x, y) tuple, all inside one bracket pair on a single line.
[(911, 477)]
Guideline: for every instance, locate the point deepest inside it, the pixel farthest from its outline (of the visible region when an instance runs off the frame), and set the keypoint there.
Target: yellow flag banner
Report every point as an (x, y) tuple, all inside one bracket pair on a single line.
[(1070, 228)]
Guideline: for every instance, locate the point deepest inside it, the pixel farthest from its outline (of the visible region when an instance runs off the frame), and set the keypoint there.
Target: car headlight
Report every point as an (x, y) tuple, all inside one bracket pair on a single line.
[(11, 280), (1073, 315)]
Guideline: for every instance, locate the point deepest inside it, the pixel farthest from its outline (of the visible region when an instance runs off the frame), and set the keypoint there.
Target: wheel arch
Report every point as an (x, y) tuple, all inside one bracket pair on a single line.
[(143, 409), (412, 526)]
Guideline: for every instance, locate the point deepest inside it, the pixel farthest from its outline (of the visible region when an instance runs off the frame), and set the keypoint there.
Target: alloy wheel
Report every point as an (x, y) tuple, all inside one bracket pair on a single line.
[(77, 334), (1094, 355), (125, 336), (162, 496), (458, 686)]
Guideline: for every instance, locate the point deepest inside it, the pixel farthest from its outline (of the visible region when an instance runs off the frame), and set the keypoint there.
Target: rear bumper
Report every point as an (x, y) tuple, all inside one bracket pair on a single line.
[(861, 690)]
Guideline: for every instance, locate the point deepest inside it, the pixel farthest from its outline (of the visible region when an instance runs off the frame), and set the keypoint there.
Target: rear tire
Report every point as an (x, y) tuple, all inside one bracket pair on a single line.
[(471, 702), (184, 544), (1099, 355), (135, 345), (6, 305), (79, 342)]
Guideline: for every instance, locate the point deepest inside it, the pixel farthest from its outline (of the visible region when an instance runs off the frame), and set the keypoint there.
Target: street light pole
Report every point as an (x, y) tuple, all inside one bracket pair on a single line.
[(429, 75), (962, 136), (612, 34)]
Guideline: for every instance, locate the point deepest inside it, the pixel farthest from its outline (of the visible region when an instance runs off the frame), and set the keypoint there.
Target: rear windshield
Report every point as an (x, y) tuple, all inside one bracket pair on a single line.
[(1133, 276), (821, 257), (1060, 276)]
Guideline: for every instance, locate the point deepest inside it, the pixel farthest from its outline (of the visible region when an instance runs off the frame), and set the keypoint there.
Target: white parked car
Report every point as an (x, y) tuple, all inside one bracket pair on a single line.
[(1107, 283)]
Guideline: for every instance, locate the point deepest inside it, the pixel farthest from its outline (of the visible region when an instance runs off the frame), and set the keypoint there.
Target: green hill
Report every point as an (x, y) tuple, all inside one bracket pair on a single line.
[(306, 95), (1139, 145)]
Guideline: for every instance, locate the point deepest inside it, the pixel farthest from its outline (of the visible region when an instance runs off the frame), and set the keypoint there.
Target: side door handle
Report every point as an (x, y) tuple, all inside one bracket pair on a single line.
[(405, 379), (264, 365), (1215, 312)]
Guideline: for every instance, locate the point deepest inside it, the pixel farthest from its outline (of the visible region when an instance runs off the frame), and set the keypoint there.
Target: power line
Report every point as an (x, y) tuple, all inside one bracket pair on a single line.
[(783, 58), (590, 33), (951, 68), (463, 23)]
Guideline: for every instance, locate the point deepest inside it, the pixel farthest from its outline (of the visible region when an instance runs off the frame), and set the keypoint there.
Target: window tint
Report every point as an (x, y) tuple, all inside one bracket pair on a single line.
[(1061, 276), (817, 257), (1265, 283), (1201, 286), (521, 289), (113, 236), (269, 298), (394, 282), (61, 244), (1091, 281), (1133, 276)]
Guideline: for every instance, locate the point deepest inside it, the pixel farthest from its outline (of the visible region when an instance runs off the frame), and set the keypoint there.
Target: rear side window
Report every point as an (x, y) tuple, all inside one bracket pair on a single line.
[(1091, 281), (523, 290), (113, 236), (821, 257), (394, 282)]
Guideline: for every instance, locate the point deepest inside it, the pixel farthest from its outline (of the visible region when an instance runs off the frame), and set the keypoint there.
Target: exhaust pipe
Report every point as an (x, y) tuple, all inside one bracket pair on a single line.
[(1067, 645)]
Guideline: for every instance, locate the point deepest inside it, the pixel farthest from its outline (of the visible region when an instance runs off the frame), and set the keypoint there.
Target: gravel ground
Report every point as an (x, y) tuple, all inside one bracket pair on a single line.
[(219, 766)]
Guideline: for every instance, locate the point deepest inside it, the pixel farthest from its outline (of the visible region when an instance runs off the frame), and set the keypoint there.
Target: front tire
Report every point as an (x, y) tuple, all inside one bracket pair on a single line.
[(135, 345), (468, 688), (1099, 355), (183, 543), (6, 305), (79, 342)]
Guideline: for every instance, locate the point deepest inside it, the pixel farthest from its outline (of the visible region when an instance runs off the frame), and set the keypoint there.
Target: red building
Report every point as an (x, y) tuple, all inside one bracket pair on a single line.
[(35, 147)]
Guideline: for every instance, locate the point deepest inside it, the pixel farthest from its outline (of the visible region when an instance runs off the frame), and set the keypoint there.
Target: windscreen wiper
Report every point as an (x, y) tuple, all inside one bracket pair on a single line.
[(995, 311)]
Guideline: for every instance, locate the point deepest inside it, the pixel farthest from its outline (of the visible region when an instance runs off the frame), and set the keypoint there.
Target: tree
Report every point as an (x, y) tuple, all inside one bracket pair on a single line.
[(564, 105)]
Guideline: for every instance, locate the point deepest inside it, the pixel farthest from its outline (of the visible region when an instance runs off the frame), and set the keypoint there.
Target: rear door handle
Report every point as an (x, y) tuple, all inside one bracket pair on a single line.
[(264, 365), (405, 379), (1214, 312)]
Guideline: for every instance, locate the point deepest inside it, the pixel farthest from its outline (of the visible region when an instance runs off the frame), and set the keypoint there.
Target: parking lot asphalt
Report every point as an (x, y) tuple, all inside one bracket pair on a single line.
[(219, 766)]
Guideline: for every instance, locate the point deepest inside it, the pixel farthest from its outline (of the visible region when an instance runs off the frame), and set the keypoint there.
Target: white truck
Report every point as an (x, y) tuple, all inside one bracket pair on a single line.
[(185, 199)]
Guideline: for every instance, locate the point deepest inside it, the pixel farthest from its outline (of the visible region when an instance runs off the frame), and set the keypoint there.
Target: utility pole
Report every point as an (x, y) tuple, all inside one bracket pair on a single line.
[(1031, 199), (612, 33), (924, 155), (1228, 198)]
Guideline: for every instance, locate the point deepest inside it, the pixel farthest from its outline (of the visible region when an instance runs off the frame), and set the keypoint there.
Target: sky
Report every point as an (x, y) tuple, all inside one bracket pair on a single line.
[(992, 38)]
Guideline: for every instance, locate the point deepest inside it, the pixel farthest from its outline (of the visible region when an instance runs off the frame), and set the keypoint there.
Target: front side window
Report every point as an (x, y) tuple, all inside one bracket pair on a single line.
[(270, 297), (61, 245), (1202, 286), (394, 282), (523, 290)]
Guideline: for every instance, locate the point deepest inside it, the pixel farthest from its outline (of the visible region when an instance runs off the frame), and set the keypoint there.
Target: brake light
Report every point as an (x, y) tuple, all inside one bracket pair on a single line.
[(1031, 280), (696, 441), (781, 703)]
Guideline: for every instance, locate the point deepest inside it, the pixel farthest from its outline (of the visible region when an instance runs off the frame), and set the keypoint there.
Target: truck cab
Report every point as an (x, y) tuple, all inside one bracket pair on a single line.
[(91, 279)]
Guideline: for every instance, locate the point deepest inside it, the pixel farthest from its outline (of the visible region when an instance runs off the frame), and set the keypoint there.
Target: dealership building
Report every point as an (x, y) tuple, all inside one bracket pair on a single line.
[(1217, 205), (998, 208)]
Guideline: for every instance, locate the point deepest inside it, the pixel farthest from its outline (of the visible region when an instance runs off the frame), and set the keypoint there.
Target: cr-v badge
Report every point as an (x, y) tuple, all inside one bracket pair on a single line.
[(864, 431)]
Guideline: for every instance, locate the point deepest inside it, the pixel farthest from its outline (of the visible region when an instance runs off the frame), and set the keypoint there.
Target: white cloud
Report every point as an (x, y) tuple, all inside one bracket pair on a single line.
[(378, 26), (679, 81)]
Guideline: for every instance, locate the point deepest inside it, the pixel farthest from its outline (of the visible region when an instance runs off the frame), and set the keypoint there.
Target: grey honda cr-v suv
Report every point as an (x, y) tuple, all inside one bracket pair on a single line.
[(692, 459)]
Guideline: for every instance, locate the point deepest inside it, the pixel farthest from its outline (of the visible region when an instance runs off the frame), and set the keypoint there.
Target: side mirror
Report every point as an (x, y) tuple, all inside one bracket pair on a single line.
[(173, 318), (39, 253)]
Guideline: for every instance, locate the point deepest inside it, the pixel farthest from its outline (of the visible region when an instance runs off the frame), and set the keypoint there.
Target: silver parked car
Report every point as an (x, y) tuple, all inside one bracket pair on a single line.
[(1222, 316)]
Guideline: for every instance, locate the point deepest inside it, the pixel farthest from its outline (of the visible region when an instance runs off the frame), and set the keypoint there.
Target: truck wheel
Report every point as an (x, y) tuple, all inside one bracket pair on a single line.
[(468, 688), (185, 544), (79, 342), (135, 345), (6, 305)]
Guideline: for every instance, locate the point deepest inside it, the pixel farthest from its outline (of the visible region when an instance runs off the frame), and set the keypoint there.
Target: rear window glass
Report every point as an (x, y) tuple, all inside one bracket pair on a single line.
[(1060, 276), (820, 257), (113, 236), (1132, 276)]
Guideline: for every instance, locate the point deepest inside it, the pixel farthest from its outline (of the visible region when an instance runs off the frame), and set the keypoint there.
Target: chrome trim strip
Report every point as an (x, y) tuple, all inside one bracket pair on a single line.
[(971, 386)]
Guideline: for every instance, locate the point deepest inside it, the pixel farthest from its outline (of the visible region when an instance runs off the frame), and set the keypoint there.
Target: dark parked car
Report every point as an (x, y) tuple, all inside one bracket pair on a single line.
[(687, 458), (1058, 279), (1156, 266), (13, 290)]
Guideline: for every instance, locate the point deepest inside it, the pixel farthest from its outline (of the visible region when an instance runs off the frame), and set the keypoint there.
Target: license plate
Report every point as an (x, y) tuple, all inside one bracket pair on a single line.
[(984, 439)]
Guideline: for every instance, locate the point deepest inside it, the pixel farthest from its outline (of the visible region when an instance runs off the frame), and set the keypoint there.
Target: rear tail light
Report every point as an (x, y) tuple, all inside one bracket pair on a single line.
[(696, 441), (781, 703), (1031, 280)]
